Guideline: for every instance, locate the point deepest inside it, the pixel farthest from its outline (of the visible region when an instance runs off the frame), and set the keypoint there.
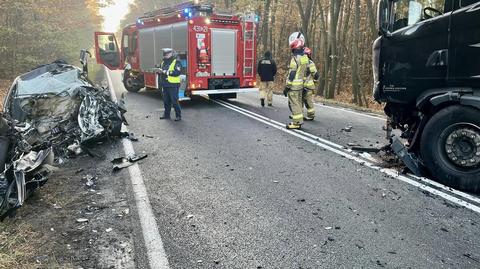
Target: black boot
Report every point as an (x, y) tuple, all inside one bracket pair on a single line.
[(178, 118), (262, 102), (164, 117)]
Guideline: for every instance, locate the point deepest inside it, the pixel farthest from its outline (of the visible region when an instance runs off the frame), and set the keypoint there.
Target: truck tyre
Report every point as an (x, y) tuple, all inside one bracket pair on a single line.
[(129, 84), (450, 147)]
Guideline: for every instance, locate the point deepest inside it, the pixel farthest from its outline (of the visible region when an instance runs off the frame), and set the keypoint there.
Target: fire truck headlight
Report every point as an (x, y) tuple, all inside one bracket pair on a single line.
[(208, 21)]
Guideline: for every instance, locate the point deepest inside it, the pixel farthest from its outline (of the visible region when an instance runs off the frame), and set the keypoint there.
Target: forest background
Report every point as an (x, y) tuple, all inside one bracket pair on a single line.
[(340, 33)]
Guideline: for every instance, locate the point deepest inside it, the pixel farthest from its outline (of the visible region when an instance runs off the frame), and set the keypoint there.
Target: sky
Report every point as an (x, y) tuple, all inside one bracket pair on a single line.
[(113, 12)]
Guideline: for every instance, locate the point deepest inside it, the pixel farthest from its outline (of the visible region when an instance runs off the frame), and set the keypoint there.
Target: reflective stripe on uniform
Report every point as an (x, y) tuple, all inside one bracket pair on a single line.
[(311, 110), (297, 117), (309, 83)]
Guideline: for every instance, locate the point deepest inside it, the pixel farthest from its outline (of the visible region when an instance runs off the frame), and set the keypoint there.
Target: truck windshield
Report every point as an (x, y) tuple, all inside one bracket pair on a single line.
[(409, 12)]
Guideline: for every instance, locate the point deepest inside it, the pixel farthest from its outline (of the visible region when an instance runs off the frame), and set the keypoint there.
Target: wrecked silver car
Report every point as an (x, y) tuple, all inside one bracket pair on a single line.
[(54, 110)]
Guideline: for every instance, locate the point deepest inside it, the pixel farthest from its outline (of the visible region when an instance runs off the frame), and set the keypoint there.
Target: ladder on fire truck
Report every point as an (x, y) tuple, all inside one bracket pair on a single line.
[(248, 44)]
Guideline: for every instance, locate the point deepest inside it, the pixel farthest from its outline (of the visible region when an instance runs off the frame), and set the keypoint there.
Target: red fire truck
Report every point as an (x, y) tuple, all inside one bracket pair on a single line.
[(217, 51)]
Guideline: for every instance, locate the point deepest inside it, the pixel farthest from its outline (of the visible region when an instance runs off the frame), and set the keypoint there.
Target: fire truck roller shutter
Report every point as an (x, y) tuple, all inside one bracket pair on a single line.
[(163, 39), (179, 37), (224, 52), (147, 48)]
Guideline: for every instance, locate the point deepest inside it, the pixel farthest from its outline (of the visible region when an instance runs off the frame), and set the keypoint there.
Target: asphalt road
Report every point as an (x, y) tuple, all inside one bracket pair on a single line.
[(231, 191)]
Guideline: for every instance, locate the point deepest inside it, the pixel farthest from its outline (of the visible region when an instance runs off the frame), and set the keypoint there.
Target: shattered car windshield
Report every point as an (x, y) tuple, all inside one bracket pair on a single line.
[(53, 82)]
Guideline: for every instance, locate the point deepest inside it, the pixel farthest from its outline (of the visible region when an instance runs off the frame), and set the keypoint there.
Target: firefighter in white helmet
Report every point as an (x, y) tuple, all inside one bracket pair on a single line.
[(309, 86), (295, 79)]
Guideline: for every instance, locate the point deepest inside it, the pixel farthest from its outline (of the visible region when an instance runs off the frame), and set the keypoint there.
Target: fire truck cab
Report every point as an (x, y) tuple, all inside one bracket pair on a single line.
[(217, 51)]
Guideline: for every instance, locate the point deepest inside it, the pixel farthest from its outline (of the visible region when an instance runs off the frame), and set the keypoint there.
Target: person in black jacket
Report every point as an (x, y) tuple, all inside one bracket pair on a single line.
[(267, 69)]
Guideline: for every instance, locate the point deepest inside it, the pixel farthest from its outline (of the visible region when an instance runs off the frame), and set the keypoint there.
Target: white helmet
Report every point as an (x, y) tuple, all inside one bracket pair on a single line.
[(296, 40), (167, 53)]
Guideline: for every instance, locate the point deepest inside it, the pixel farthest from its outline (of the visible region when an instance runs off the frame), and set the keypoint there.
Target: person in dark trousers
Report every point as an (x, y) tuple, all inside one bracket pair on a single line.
[(169, 79), (267, 69)]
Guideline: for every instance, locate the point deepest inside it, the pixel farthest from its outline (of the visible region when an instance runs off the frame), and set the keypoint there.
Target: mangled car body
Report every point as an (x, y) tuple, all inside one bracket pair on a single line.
[(54, 110)]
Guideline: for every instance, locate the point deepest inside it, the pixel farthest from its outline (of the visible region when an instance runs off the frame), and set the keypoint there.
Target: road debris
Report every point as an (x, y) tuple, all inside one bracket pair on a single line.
[(124, 162), (50, 114), (82, 220), (347, 129), (129, 136), (89, 180)]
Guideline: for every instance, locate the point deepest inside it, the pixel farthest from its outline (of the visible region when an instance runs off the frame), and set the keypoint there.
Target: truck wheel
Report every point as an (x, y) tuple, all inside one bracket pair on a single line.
[(450, 147), (129, 83)]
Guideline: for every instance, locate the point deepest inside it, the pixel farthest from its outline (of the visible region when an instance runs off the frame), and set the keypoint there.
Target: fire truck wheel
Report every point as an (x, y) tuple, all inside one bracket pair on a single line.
[(450, 147), (129, 87), (130, 84)]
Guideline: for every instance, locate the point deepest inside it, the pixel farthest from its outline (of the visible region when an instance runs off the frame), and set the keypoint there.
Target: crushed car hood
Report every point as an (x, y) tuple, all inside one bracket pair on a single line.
[(50, 113)]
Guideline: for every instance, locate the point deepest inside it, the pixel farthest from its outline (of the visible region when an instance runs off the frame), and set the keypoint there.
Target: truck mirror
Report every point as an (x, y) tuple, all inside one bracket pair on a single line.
[(414, 12), (110, 38), (383, 16)]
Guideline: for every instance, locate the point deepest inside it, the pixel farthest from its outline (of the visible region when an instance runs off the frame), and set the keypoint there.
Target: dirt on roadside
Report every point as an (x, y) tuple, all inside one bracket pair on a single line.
[(4, 86), (67, 224)]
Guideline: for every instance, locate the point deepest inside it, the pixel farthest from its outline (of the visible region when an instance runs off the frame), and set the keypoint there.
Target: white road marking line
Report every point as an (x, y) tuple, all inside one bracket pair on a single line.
[(369, 158), (346, 110), (282, 124), (454, 191), (157, 258), (389, 172)]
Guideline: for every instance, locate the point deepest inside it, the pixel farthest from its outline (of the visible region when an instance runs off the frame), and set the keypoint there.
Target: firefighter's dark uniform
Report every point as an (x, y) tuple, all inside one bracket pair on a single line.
[(170, 82), (267, 69), (309, 90), (295, 80)]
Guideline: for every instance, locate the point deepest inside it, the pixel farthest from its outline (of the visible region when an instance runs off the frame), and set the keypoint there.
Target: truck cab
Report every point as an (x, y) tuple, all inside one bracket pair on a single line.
[(427, 72)]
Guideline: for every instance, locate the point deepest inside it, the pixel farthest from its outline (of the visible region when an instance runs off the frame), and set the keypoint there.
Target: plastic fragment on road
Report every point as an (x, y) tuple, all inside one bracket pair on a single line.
[(124, 162)]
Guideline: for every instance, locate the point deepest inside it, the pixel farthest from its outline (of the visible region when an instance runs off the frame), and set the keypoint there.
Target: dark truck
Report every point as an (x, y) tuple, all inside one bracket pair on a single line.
[(426, 66)]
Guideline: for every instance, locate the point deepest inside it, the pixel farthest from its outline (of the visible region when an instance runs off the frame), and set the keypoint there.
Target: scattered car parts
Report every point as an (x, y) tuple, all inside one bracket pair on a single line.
[(53, 111)]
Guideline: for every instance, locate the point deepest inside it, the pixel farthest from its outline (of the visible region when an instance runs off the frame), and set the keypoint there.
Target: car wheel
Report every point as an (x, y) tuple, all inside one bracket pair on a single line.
[(450, 147)]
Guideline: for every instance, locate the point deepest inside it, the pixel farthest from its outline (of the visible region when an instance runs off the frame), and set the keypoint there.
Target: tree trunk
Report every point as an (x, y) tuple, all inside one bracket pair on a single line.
[(306, 15), (326, 61), (357, 98), (334, 14), (371, 17), (343, 40), (265, 23)]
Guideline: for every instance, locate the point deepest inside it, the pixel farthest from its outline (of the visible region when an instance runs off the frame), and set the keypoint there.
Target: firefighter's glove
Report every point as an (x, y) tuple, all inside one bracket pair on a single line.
[(285, 91)]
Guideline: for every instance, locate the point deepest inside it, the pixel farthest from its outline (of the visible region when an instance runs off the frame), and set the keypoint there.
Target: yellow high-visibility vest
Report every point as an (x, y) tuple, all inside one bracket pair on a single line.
[(171, 79)]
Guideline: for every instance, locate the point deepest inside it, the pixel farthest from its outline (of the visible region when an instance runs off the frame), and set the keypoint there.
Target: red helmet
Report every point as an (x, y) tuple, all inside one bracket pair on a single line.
[(296, 40), (307, 51)]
